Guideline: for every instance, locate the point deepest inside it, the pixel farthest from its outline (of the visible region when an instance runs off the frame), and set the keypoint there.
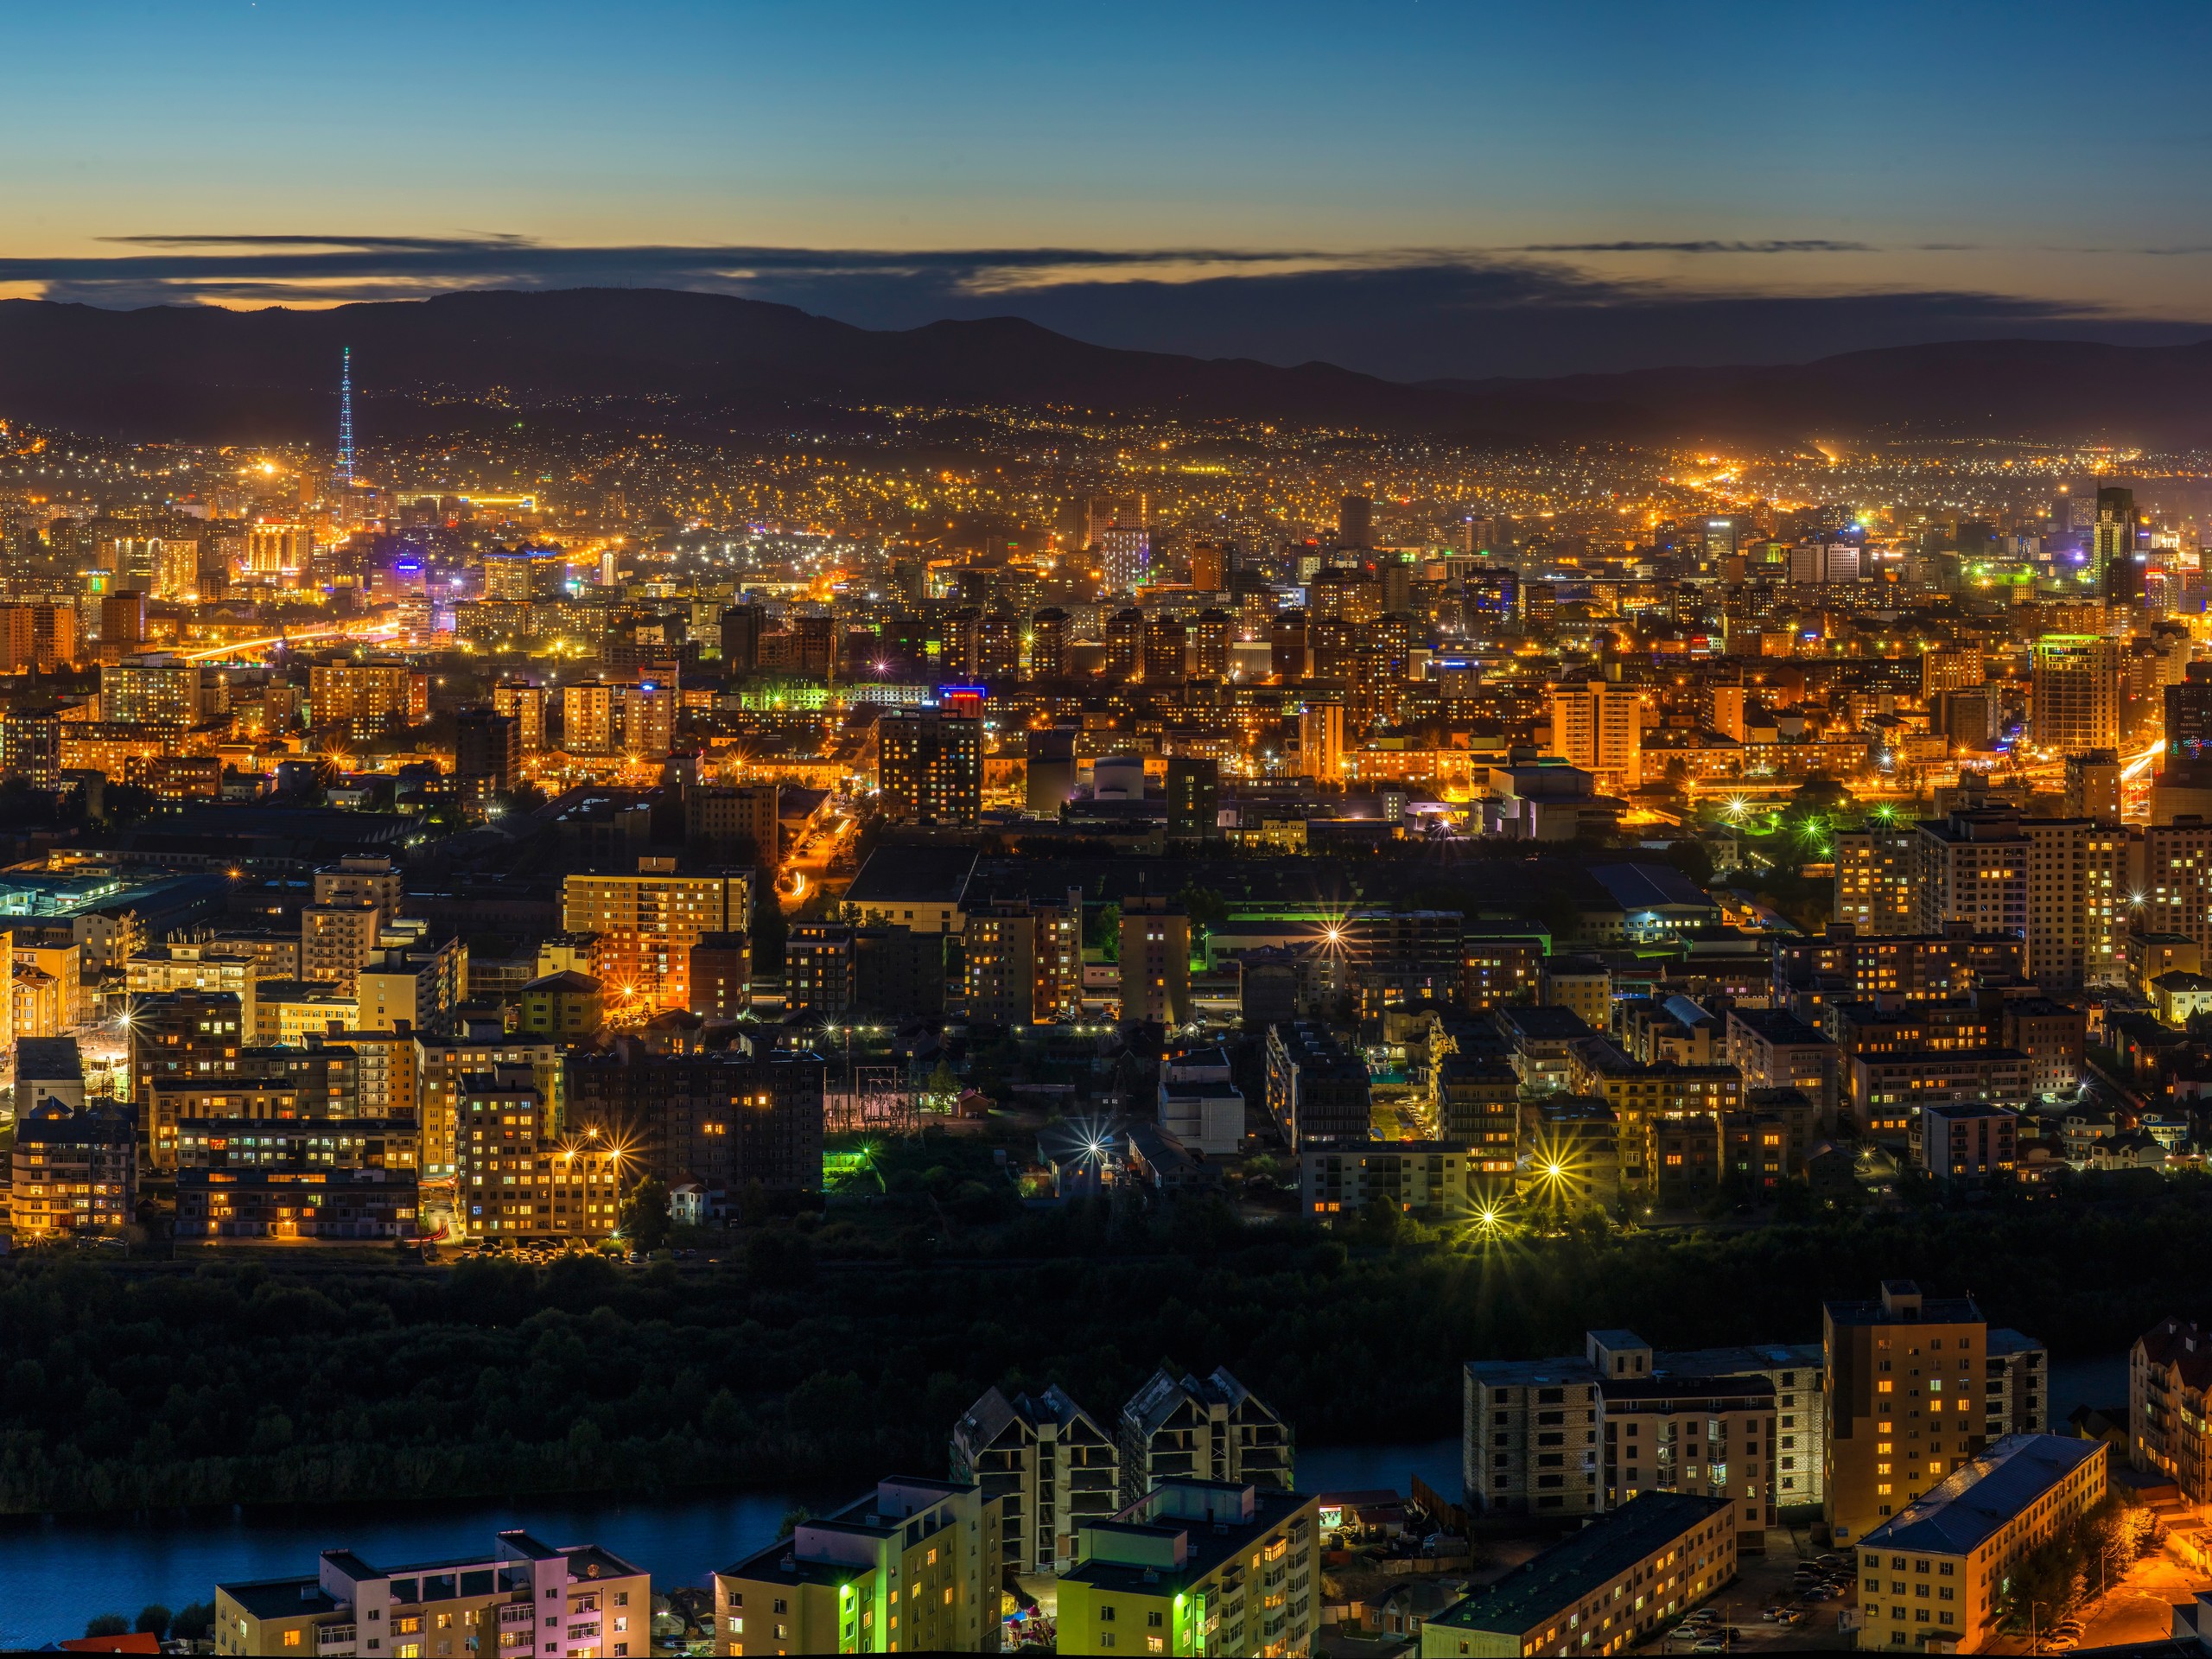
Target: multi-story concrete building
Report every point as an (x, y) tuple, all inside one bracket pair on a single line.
[(368, 698), (1907, 1379), (2061, 883), (1597, 726), (1214, 1429), (183, 1034), (518, 1179), (645, 924), (1199, 1104), (915, 1566), (412, 984), (1934, 1577), (1432, 1180), (1946, 962), (2169, 1406), (1710, 1437), (1155, 961), (1874, 871), (346, 1205), (1534, 1429), (1611, 1584), (1316, 1092), (1774, 1049), (442, 1067), (523, 1597), (929, 768), (1964, 1144), (719, 1118), (2077, 692), (1198, 1566), (1889, 1090), (336, 941), (1048, 1465), (73, 1170)]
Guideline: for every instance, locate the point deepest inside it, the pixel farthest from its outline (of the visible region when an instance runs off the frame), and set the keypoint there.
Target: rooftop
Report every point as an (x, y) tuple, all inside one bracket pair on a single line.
[(1974, 1503), (1651, 886), (280, 1597), (1590, 1559), (921, 874)]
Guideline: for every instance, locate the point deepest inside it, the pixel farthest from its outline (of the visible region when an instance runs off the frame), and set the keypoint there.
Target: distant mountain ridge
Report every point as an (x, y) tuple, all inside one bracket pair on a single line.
[(203, 374), (604, 355), (2040, 390)]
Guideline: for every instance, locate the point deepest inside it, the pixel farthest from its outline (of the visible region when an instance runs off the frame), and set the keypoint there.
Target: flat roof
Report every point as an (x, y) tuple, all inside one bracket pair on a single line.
[(280, 1597), (1588, 1561), (1974, 1503), (911, 875), (1651, 886)]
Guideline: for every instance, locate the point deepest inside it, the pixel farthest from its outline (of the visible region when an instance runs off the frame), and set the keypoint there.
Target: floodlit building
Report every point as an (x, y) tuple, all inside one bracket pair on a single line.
[(915, 1566), (1050, 1467), (1196, 1567), (598, 1605), (1938, 1571)]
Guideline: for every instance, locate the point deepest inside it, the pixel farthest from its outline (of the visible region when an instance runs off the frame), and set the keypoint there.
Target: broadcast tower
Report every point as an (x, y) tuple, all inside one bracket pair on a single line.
[(346, 420)]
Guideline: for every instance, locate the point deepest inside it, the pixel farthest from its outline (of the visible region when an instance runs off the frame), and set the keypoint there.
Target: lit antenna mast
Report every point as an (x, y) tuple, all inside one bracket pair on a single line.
[(346, 421)]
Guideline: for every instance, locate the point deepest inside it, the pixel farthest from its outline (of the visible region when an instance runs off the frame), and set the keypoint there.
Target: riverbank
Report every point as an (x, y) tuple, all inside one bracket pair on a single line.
[(62, 1571)]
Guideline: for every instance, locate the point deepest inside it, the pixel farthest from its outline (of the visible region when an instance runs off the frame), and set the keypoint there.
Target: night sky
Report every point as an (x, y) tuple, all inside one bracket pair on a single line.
[(1417, 189)]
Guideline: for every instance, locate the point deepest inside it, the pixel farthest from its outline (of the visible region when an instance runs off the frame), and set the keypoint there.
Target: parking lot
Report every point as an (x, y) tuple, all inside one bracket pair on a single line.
[(1790, 1578)]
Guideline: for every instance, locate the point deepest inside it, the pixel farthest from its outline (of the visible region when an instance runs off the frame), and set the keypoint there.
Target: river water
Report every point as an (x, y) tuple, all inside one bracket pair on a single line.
[(58, 1572)]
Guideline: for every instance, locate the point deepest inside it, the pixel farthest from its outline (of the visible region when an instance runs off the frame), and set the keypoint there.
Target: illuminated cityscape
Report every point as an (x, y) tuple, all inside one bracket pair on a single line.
[(1256, 833)]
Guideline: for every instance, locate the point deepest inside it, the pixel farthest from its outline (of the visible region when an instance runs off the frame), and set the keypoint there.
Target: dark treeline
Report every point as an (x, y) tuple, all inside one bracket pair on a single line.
[(128, 1387)]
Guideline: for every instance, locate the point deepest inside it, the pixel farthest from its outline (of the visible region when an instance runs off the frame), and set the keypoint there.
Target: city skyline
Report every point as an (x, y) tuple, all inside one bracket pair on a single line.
[(1490, 193)]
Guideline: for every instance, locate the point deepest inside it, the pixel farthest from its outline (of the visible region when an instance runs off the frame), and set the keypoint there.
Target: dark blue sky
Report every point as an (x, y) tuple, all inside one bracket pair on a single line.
[(1411, 186)]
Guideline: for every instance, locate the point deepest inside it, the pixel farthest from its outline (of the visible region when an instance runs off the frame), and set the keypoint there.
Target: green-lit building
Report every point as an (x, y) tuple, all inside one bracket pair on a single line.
[(913, 1567), (1196, 1567)]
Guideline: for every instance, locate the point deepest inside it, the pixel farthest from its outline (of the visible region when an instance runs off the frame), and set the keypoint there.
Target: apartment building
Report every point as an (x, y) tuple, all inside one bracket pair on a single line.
[(412, 984), (1050, 1467), (721, 1118), (192, 965), (1155, 961), (442, 1067), (1532, 1428), (580, 1602), (184, 1035), (336, 941), (1774, 1049), (1874, 880), (1888, 1092), (1432, 1180), (518, 1179), (1199, 1104), (645, 924), (913, 1567), (2061, 883), (1316, 1092), (2169, 1405), (1710, 1437), (1937, 1571), (1908, 1379), (73, 1170), (1605, 1588), (1476, 1102), (368, 698), (1810, 972), (1214, 1429), (1965, 1143), (303, 1204), (1531, 1438), (1196, 1567)]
